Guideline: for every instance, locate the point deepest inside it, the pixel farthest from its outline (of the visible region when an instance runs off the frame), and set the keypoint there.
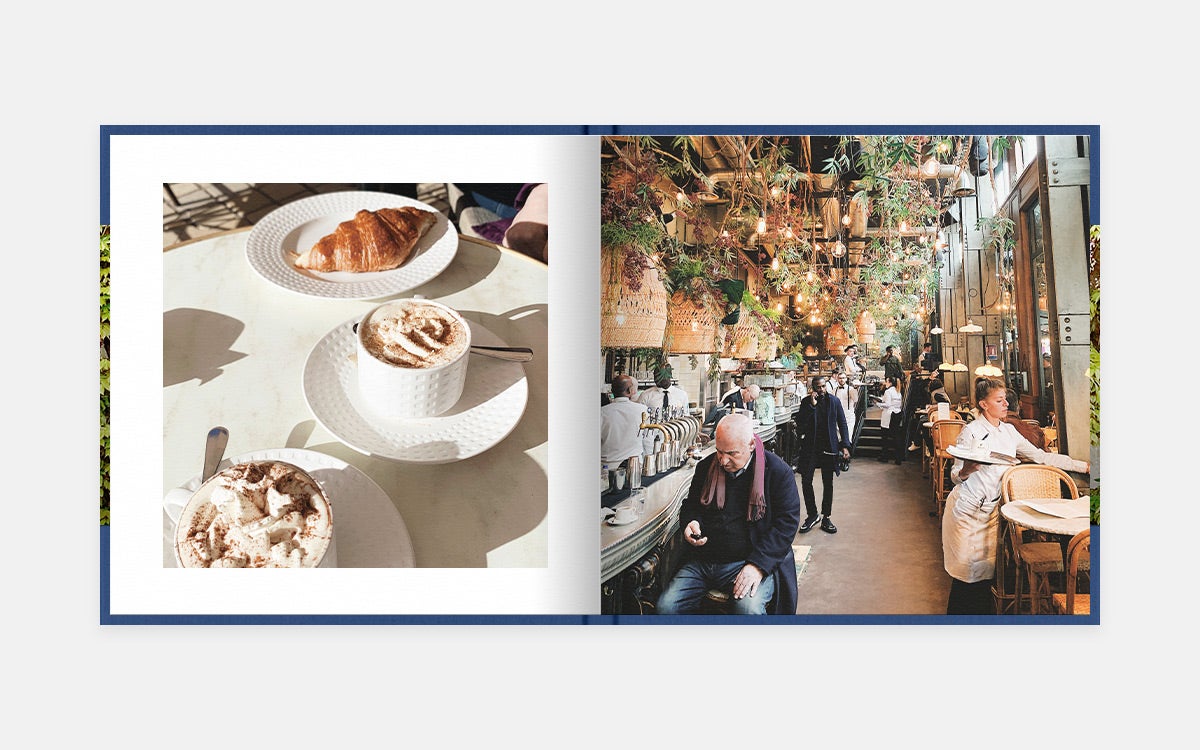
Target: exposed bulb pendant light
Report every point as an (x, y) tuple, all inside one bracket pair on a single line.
[(762, 222), (930, 168), (839, 249)]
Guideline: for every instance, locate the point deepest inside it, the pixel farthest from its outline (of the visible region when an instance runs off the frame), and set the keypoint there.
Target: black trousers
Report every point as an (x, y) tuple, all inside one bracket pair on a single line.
[(808, 466), (893, 441), (970, 598)]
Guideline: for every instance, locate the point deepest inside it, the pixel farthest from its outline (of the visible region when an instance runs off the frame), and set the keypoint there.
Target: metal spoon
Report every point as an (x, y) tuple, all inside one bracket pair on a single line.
[(510, 353), (214, 451)]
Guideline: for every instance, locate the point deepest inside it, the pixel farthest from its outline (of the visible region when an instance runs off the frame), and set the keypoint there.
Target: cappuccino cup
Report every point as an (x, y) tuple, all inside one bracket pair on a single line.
[(257, 514), (412, 358), (624, 514)]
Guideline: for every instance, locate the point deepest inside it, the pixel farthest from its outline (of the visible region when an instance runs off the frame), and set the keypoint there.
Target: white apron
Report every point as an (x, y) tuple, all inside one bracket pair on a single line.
[(970, 538)]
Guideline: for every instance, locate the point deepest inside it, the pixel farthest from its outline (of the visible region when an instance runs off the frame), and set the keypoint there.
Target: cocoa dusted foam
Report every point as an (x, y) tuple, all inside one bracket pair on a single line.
[(414, 334), (258, 514)]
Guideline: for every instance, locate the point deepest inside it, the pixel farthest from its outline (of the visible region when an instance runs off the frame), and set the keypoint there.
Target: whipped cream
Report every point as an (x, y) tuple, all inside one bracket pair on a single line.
[(413, 333), (258, 514)]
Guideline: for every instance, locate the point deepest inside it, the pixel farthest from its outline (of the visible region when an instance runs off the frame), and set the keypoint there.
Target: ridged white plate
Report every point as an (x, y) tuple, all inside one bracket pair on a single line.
[(279, 237), (367, 527), (491, 405)]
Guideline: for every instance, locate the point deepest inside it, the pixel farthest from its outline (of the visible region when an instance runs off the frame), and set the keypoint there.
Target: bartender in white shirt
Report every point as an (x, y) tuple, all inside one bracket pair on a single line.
[(621, 422), (664, 397), (847, 394), (851, 366)]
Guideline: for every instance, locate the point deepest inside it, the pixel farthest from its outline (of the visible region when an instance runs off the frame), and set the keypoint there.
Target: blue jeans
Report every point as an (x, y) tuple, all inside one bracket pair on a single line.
[(684, 593)]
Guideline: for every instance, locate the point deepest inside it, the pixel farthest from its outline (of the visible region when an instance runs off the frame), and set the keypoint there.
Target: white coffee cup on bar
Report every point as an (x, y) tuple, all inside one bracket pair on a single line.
[(624, 514), (412, 358)]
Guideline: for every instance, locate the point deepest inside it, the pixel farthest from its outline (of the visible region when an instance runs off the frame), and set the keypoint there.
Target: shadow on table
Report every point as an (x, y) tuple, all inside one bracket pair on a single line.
[(525, 326), (457, 513), (197, 344), (469, 267)]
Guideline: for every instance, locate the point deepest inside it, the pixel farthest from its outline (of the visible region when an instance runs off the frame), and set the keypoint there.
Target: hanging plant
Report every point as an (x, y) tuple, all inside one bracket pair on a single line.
[(631, 224)]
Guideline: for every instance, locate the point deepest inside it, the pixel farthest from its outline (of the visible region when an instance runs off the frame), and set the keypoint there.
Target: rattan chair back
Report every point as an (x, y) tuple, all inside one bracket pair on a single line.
[(1036, 481), (1079, 556)]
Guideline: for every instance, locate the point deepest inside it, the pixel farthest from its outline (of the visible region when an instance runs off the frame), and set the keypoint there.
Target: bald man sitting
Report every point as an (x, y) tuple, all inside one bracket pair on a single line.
[(739, 519)]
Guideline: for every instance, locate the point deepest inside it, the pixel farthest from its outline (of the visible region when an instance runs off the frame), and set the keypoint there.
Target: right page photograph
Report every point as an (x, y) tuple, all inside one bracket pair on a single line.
[(850, 376)]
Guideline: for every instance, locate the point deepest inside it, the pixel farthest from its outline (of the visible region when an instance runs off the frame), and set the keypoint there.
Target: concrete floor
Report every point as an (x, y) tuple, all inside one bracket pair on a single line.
[(886, 558)]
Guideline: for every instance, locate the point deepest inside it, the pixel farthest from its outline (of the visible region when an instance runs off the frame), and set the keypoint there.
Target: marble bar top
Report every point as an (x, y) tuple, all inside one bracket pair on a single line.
[(621, 546)]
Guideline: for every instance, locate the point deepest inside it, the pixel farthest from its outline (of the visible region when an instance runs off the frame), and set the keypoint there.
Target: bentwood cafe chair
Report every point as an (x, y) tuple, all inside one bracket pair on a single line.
[(1034, 559), (944, 433)]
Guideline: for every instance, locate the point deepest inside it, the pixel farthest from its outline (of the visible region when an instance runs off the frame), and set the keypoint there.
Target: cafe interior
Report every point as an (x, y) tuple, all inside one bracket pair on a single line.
[(730, 261)]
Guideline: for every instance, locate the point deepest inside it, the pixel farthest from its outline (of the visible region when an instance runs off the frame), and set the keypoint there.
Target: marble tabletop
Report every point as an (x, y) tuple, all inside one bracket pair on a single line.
[(1021, 513), (234, 348)]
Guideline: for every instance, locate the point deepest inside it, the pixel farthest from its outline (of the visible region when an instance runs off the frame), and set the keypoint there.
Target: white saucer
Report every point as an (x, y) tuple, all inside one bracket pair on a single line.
[(614, 522), (366, 524), (491, 405)]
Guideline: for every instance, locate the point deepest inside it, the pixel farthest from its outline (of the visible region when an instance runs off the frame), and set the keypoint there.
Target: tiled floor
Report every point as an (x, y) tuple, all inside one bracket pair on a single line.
[(194, 210)]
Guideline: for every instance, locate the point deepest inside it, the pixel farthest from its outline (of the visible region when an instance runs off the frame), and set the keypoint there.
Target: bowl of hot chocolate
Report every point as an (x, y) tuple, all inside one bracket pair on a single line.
[(412, 358), (257, 514)]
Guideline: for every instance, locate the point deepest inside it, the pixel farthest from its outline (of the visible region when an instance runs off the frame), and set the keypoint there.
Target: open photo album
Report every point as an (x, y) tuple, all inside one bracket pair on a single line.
[(372, 356)]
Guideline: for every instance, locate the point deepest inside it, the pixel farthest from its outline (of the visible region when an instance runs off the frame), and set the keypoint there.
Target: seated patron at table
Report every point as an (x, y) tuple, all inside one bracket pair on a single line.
[(937, 390), (738, 520), (971, 522), (743, 398), (929, 361), (621, 422)]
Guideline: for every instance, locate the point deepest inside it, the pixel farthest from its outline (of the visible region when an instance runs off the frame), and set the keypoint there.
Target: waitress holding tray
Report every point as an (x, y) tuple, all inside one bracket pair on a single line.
[(971, 523)]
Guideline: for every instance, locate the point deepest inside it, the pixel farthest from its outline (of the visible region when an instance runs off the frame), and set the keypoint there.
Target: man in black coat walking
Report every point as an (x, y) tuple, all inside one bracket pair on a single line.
[(824, 441)]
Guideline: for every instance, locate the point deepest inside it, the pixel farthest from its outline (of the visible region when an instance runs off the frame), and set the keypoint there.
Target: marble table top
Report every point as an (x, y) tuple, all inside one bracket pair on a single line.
[(234, 348)]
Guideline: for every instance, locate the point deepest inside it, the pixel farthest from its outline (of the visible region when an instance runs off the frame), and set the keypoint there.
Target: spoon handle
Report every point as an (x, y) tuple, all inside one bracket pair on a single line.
[(214, 451), (510, 353)]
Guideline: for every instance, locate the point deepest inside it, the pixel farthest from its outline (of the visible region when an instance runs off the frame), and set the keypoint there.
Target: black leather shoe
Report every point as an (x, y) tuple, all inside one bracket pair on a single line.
[(828, 527), (809, 523)]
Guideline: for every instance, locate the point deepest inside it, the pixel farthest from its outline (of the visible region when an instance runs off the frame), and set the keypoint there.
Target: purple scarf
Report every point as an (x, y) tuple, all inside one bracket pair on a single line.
[(714, 485)]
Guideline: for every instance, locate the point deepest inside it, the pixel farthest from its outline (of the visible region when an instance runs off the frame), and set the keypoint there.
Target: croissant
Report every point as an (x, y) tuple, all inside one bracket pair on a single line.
[(371, 241)]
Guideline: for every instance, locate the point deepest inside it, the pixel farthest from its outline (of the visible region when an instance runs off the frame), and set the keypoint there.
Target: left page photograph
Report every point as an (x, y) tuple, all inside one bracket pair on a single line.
[(333, 351)]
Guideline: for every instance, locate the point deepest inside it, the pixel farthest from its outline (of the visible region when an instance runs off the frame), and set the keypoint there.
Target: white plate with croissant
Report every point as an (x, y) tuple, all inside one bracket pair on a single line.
[(352, 245)]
